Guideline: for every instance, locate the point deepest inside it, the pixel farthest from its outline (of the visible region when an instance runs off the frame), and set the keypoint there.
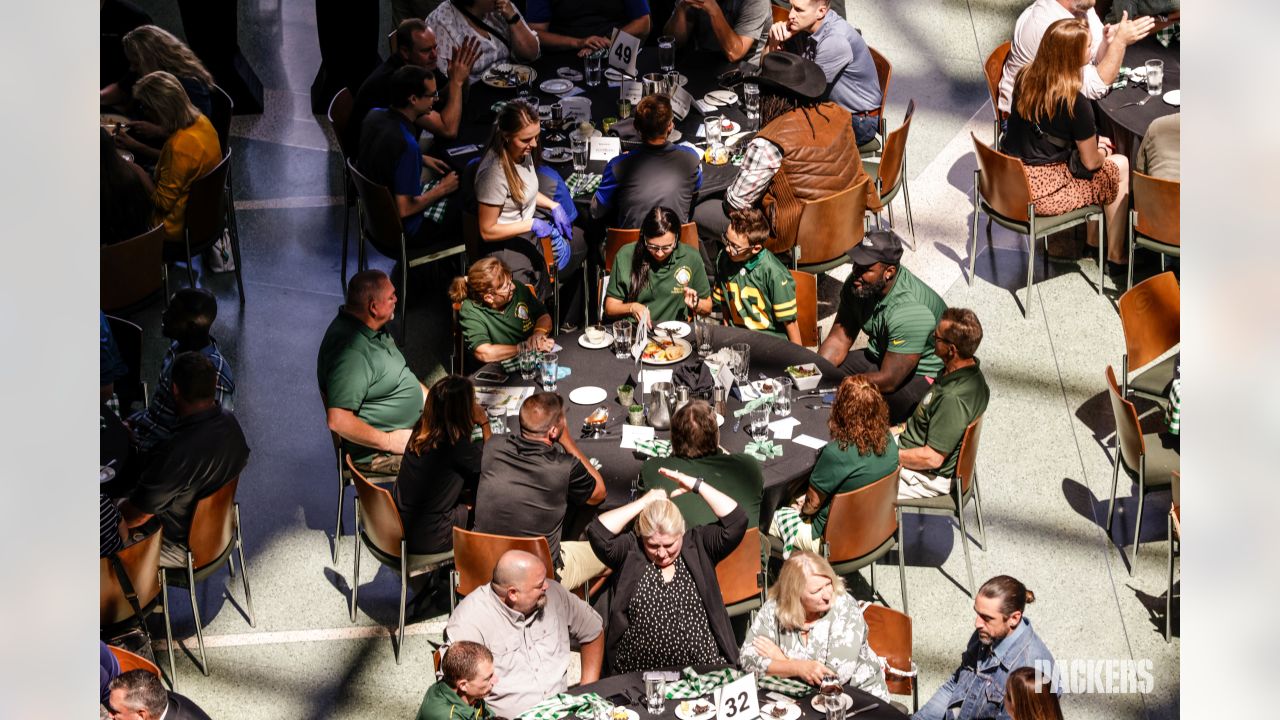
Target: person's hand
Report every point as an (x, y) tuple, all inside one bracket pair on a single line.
[(767, 648), (812, 671), (143, 128), (503, 7), (641, 314), (778, 34), (1104, 143), (710, 7), (541, 228), (690, 298), (1131, 31), (464, 57), (654, 495), (541, 341), (397, 440), (126, 141), (560, 248), (436, 164), (588, 45), (684, 480), (478, 414), (562, 221), (798, 503), (448, 184)]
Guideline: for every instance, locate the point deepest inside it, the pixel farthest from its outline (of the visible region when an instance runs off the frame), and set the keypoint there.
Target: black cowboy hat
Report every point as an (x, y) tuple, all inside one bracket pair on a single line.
[(790, 74)]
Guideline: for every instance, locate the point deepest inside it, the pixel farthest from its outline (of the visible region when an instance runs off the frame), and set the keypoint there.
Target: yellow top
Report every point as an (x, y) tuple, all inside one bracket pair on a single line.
[(187, 155)]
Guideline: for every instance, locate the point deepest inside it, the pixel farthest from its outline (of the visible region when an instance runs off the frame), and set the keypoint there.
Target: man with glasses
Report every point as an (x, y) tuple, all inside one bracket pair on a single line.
[(929, 447), (753, 287), (898, 312)]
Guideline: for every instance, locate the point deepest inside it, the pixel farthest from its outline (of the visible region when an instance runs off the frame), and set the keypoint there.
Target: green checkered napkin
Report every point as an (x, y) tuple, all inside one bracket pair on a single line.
[(788, 522), (786, 686), (435, 211), (583, 183), (656, 447), (763, 449), (1169, 34), (565, 704), (693, 685), (753, 404)]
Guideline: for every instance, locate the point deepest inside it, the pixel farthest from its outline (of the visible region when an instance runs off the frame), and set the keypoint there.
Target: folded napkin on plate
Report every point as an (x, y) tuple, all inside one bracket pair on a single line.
[(692, 685), (763, 449), (656, 447), (583, 183), (565, 704)]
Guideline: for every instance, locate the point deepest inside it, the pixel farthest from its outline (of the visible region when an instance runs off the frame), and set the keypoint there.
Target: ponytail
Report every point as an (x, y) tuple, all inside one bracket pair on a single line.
[(458, 289)]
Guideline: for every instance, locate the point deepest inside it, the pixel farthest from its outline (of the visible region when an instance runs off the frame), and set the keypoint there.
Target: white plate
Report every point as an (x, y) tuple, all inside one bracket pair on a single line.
[(681, 79), (793, 711), (556, 154), (631, 714), (606, 342), (817, 703), (613, 74), (734, 129), (674, 136), (684, 710), (1173, 97), (721, 97), (555, 86), (492, 77), (688, 350), (576, 107), (1138, 74), (588, 395), (569, 74), (676, 328), (719, 420)]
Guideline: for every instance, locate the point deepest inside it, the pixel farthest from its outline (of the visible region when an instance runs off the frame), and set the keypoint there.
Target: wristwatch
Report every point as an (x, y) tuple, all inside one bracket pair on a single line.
[(696, 487), (515, 18)]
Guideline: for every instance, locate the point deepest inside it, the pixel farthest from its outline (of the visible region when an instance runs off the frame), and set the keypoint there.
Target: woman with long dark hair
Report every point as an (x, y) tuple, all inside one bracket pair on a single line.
[(1029, 695), (658, 278), (125, 192)]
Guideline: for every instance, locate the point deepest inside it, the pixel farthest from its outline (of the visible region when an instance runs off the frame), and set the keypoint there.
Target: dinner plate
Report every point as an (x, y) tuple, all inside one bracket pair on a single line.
[(719, 420), (613, 74), (684, 710), (1173, 97), (578, 108), (721, 97), (588, 395), (555, 86), (734, 129), (674, 136), (631, 714), (818, 705), (556, 154), (681, 79), (792, 711), (569, 74), (497, 75), (688, 350), (604, 343), (676, 328), (114, 118)]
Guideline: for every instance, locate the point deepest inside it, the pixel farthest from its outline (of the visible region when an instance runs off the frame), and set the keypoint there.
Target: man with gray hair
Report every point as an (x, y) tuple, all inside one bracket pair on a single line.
[(138, 695), (527, 622)]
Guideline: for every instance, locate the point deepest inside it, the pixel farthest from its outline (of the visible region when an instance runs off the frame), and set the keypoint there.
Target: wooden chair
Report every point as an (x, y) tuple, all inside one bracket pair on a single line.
[(344, 481), (132, 271), (617, 238), (339, 114), (889, 635), (780, 14), (130, 389), (141, 563), (221, 110), (380, 225), (993, 68), (741, 576), (890, 173), (475, 554), (132, 661), (379, 528), (807, 307), (1002, 191), (1150, 316), (828, 228), (206, 219), (964, 486), (1144, 456), (1175, 545), (214, 533), (884, 73), (1154, 217)]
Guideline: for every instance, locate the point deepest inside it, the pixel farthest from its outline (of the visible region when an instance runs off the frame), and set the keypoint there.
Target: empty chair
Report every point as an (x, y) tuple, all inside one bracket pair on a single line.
[(1150, 316), (475, 555), (1154, 217), (133, 661), (741, 576), (807, 307), (890, 173), (889, 635), (993, 68), (130, 587), (828, 228), (1145, 457), (339, 115), (132, 271), (206, 220), (130, 390)]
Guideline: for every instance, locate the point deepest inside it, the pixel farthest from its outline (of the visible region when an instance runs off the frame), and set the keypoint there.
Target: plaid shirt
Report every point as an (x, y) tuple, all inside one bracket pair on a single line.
[(761, 162), (154, 424)]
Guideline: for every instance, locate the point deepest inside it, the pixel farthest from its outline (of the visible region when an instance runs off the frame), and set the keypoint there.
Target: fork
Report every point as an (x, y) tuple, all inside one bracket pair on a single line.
[(1139, 103)]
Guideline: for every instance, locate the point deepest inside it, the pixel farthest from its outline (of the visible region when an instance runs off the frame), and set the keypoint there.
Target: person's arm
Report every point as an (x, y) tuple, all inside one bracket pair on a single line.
[(895, 369), (810, 671), (813, 501), (778, 35), (793, 332), (132, 517), (616, 520), (493, 231), (524, 42), (445, 122), (1094, 151), (638, 27), (835, 348), (946, 429), (760, 163), (565, 438), (556, 41), (352, 429), (678, 24), (143, 177), (734, 46), (1116, 40), (592, 659), (719, 503), (409, 205)]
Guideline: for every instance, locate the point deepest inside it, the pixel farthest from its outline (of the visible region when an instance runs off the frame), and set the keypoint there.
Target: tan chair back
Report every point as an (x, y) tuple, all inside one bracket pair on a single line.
[(994, 70), (379, 518), (968, 460), (1150, 315), (131, 661), (806, 306), (614, 240), (212, 527), (865, 517), (475, 554), (381, 215), (889, 635), (780, 14), (884, 73), (895, 150), (1157, 208), (830, 226), (689, 235), (340, 108), (141, 562), (739, 573), (1128, 428), (1002, 182), (206, 213), (132, 270)]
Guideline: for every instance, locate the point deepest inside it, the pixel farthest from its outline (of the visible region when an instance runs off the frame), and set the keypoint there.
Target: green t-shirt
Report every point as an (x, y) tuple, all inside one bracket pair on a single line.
[(758, 294), (482, 324), (901, 322), (738, 475), (664, 293), (362, 370), (441, 702), (955, 400), (840, 471)]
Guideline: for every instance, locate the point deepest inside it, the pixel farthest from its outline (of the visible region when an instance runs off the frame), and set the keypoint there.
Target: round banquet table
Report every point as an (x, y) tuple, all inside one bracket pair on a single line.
[(702, 69), (631, 687), (620, 467), (1126, 126)]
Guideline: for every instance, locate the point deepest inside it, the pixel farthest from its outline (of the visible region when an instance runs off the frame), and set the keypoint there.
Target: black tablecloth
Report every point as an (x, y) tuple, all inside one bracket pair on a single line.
[(631, 686), (1126, 126), (702, 69), (769, 355)]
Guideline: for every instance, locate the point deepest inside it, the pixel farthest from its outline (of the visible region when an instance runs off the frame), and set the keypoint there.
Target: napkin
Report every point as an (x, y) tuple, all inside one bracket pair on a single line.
[(788, 522), (656, 447), (754, 404), (651, 376), (583, 183), (810, 442), (763, 450), (693, 685), (564, 704), (695, 376), (632, 434)]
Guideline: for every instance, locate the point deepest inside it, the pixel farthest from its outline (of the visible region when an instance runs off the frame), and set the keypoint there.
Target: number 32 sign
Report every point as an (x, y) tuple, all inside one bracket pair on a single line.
[(623, 52), (737, 700)]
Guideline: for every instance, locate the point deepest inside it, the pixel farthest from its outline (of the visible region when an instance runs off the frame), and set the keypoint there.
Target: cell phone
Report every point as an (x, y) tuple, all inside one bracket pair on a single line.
[(491, 376), (620, 700)]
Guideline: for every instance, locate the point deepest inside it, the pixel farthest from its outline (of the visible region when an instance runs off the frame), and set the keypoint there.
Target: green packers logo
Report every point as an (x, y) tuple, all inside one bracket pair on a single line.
[(683, 275), (522, 311)]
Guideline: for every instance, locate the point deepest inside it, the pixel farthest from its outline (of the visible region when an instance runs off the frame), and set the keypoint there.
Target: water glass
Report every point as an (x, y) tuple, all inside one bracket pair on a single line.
[(624, 108), (712, 125), (497, 419), (593, 66), (672, 82), (666, 53), (1155, 77), (758, 422), (655, 687), (548, 369), (527, 361), (702, 329), (835, 708), (741, 363), (578, 145), (751, 105), (622, 339), (782, 387)]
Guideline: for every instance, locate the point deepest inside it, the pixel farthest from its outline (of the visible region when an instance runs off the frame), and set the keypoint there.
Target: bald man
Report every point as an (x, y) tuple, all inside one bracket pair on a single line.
[(528, 622)]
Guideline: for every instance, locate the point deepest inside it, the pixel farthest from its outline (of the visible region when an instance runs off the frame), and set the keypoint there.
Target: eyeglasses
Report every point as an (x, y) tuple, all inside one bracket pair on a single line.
[(734, 249), (659, 248)]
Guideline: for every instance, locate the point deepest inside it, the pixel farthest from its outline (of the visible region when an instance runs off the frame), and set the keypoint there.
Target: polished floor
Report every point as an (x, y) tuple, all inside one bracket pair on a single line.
[(1044, 463)]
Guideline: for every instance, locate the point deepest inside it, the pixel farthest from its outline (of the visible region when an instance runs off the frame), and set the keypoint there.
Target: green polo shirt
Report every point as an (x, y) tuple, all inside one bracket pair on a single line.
[(955, 400), (738, 475), (759, 294), (482, 324), (441, 702), (664, 293), (841, 471), (900, 322), (362, 370)]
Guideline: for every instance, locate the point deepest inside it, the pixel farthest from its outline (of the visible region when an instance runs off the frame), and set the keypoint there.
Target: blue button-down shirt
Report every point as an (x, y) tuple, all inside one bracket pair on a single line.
[(846, 62), (976, 690)]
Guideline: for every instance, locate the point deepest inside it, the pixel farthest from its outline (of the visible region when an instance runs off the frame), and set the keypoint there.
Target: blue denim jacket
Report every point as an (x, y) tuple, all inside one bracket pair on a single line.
[(976, 690)]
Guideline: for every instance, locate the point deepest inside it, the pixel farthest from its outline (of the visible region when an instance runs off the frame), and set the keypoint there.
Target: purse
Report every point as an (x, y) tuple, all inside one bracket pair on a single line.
[(1074, 164)]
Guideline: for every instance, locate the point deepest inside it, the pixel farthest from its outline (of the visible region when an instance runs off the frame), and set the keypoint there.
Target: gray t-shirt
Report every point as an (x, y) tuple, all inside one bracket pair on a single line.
[(749, 18), (492, 189), (846, 62)]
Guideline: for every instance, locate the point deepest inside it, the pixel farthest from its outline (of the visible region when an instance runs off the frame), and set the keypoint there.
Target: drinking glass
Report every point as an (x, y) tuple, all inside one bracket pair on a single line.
[(548, 368), (652, 84), (593, 66), (622, 339), (831, 690), (751, 105), (702, 333), (1155, 77), (666, 53), (742, 363), (528, 363), (578, 144), (712, 125), (758, 422), (672, 81), (782, 396), (624, 108), (654, 692), (557, 123), (497, 419)]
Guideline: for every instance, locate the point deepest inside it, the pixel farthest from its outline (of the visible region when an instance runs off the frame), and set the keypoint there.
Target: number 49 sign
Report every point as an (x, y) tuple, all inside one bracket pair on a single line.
[(623, 51), (737, 700)]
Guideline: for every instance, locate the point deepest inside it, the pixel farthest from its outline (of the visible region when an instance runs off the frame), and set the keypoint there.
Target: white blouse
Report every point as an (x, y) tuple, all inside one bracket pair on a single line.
[(451, 28)]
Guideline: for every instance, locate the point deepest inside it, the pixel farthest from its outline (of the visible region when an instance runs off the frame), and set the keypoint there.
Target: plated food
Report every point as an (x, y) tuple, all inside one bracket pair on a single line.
[(780, 711), (508, 75), (695, 710), (806, 376), (665, 352)]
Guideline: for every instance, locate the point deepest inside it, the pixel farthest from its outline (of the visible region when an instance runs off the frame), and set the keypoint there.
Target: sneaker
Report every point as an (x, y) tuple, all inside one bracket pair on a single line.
[(568, 327)]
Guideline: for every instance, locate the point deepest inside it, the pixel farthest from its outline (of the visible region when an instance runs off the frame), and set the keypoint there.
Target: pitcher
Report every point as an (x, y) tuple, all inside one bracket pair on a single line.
[(659, 405)]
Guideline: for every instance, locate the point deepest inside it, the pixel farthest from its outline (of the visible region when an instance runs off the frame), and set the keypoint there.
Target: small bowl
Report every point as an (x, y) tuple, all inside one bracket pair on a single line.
[(594, 334), (806, 383)]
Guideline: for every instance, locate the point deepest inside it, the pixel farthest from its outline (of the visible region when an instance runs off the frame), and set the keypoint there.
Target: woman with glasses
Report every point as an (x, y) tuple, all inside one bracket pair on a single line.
[(753, 288), (497, 314), (658, 278)]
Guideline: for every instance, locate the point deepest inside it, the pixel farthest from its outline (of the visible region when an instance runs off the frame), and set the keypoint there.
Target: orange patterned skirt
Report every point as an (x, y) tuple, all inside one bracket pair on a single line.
[(1054, 190)]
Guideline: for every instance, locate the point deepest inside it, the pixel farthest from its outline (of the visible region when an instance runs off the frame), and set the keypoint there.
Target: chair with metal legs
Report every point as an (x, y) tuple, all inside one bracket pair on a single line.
[(993, 68), (129, 597), (744, 584), (339, 115), (890, 172), (889, 636), (1175, 545), (476, 554)]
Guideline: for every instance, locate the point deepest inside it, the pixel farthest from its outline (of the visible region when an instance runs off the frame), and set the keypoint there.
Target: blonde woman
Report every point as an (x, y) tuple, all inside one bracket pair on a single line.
[(666, 608), (811, 627), (497, 314), (190, 151)]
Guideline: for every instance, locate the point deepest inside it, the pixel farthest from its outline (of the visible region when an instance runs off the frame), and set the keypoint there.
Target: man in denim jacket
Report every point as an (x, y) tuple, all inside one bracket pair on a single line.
[(1002, 642)]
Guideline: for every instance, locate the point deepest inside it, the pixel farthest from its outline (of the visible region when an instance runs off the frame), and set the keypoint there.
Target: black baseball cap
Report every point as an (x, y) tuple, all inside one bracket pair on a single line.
[(877, 246)]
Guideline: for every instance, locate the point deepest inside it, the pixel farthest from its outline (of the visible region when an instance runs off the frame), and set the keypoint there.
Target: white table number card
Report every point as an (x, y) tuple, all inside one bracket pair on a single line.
[(624, 49), (737, 700)]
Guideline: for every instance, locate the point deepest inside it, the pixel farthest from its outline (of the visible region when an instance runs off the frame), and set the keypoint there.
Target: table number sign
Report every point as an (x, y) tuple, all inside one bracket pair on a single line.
[(737, 700), (624, 49)]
